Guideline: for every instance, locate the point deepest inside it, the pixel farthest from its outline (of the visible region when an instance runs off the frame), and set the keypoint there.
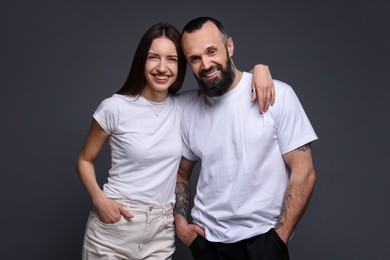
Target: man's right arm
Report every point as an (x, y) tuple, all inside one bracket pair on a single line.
[(185, 231)]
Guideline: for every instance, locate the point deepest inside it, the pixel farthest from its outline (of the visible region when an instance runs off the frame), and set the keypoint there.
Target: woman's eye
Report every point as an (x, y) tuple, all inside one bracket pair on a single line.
[(172, 60), (152, 57)]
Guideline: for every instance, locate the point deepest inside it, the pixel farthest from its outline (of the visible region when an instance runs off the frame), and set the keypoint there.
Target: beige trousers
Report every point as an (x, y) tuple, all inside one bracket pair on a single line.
[(149, 235)]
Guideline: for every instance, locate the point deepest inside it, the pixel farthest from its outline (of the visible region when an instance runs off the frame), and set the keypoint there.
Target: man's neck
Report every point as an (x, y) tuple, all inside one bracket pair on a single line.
[(237, 78)]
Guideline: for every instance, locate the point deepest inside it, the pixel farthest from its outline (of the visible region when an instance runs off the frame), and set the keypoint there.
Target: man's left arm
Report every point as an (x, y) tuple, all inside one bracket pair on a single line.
[(298, 192)]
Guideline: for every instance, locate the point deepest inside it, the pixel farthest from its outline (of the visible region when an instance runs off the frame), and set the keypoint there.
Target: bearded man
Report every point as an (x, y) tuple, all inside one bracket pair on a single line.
[(257, 172)]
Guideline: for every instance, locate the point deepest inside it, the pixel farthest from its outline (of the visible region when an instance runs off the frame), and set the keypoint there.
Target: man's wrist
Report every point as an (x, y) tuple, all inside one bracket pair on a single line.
[(179, 219)]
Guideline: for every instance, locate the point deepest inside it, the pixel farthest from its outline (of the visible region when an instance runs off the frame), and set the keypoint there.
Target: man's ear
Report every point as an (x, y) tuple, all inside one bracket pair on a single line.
[(230, 46)]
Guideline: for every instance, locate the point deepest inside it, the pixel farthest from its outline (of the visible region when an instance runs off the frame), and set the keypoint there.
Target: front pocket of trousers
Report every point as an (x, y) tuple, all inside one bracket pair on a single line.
[(278, 242), (95, 218), (194, 246)]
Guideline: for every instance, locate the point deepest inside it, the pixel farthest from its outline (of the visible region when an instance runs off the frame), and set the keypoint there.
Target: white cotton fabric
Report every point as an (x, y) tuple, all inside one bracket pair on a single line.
[(145, 145), (243, 175)]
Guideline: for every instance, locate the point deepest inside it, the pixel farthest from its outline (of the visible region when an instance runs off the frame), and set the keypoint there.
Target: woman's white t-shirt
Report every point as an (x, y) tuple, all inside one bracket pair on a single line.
[(145, 144)]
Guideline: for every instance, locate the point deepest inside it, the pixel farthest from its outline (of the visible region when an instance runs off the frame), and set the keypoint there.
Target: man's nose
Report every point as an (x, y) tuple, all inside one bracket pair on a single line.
[(206, 63)]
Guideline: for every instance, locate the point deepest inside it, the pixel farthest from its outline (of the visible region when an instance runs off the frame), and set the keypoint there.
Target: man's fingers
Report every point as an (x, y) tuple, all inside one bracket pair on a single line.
[(200, 231)]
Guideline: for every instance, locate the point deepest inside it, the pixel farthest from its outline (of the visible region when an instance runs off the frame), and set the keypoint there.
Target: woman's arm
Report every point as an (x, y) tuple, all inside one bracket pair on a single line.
[(263, 86), (109, 210)]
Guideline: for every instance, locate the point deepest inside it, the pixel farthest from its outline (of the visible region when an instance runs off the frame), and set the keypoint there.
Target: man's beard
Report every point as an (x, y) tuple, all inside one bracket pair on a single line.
[(217, 86)]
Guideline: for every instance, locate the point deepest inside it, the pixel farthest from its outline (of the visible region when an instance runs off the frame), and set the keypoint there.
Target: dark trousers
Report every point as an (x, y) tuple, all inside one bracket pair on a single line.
[(266, 246)]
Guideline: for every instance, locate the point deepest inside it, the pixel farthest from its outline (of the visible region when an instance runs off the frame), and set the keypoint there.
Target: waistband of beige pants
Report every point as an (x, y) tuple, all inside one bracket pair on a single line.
[(163, 209)]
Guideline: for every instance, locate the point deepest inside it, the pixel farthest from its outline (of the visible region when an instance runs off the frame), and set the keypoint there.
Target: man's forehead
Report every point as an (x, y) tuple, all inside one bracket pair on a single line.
[(205, 37)]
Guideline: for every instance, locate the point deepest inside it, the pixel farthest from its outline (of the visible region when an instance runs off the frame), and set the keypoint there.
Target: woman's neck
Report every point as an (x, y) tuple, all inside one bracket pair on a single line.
[(155, 96)]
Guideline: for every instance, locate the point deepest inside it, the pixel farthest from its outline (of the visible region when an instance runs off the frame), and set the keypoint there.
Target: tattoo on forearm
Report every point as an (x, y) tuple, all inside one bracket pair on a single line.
[(182, 199), (283, 212), (304, 148)]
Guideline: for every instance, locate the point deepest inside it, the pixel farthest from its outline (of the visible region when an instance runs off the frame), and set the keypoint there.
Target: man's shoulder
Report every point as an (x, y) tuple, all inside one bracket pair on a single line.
[(284, 96), (280, 86), (194, 104)]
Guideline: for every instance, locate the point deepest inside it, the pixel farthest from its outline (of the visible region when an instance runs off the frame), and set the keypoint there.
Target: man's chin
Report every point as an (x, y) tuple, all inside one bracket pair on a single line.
[(210, 82), (212, 91)]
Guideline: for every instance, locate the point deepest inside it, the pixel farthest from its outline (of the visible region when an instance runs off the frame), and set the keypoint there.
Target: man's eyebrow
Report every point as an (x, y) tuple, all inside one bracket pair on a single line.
[(193, 56), (212, 47)]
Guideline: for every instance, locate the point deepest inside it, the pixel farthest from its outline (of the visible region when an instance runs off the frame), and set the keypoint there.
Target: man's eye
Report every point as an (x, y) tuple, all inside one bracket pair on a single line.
[(195, 59)]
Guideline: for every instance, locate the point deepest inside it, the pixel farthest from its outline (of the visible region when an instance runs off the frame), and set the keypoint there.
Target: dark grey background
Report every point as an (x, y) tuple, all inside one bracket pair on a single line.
[(59, 59)]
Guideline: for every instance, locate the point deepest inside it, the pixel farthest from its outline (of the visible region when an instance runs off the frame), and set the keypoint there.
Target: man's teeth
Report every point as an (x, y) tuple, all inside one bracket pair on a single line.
[(212, 73)]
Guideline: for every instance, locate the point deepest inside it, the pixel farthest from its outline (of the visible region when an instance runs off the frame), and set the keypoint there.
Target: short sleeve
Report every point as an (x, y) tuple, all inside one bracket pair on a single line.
[(107, 115), (292, 124), (187, 152)]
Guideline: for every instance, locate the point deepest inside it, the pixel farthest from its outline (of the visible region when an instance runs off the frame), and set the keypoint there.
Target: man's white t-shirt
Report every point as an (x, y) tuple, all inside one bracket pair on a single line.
[(243, 175)]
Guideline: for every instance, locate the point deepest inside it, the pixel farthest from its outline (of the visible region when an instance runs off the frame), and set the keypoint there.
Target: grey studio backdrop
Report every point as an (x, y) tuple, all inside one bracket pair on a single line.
[(59, 59)]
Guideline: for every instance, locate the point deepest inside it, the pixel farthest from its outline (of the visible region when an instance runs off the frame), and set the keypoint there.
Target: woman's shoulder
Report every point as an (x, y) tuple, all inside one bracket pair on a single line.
[(186, 96), (115, 101)]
